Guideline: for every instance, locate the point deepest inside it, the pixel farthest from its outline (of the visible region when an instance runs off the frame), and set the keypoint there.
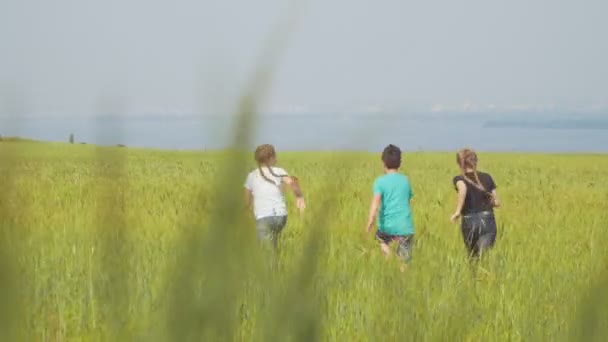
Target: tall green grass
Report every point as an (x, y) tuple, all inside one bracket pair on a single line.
[(156, 252), (110, 244)]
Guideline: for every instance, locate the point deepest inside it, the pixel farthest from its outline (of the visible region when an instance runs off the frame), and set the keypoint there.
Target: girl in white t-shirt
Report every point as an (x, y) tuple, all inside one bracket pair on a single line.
[(264, 190)]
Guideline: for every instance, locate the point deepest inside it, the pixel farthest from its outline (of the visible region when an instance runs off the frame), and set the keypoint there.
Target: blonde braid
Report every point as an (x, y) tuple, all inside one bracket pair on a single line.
[(263, 154), (468, 158)]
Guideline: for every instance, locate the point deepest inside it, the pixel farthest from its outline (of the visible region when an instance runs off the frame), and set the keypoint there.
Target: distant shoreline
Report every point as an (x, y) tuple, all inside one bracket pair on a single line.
[(566, 124), (26, 140)]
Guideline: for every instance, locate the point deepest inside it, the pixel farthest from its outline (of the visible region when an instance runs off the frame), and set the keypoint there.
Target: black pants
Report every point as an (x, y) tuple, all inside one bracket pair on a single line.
[(478, 232)]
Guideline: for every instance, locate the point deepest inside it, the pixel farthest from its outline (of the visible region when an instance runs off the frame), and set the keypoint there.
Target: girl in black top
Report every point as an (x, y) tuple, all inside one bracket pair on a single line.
[(477, 199)]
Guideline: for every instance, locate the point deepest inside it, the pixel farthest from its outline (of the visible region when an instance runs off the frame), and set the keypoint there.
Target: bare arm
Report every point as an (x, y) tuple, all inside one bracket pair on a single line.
[(496, 200), (462, 194), (295, 187), (293, 184), (248, 199), (373, 211)]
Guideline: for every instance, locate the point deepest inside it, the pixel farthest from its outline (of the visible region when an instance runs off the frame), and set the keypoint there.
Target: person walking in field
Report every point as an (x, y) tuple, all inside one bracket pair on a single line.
[(390, 204), (477, 198), (264, 191)]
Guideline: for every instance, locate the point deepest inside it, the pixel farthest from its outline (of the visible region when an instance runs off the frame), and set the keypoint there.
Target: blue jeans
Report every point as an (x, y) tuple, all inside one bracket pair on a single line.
[(269, 229)]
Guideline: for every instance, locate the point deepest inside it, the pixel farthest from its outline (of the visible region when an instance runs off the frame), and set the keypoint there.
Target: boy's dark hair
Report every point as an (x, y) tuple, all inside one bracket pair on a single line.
[(391, 156)]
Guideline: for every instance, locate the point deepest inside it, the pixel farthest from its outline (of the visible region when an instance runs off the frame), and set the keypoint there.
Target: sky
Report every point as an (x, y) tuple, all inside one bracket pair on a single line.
[(73, 57)]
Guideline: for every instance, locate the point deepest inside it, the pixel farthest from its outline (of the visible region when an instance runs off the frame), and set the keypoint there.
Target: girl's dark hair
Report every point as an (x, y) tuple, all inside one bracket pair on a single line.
[(391, 156)]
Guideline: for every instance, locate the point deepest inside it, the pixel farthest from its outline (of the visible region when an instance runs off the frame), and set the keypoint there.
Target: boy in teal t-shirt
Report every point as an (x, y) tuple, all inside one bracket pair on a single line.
[(391, 205)]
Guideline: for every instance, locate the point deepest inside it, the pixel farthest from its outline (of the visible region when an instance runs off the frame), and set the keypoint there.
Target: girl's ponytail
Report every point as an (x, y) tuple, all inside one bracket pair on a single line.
[(262, 155), (467, 158)]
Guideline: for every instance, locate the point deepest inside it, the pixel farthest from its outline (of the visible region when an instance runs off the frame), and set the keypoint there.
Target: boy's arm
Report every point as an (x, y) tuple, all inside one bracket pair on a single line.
[(374, 206), (373, 211)]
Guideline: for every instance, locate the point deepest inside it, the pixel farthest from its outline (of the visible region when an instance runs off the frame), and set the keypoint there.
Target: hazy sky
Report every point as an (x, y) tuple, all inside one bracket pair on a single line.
[(64, 56)]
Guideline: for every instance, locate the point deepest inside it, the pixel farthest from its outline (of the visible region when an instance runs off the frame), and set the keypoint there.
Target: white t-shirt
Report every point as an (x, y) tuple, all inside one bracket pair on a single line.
[(268, 198)]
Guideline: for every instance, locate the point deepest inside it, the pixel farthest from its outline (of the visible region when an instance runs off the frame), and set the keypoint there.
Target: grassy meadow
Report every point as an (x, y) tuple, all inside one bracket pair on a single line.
[(113, 244)]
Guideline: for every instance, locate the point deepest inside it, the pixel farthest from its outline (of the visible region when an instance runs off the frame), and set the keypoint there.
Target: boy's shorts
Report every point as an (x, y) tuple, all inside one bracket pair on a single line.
[(404, 243)]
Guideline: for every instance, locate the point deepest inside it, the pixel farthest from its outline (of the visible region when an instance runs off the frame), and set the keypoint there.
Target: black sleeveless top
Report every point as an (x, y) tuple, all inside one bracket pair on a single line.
[(476, 200)]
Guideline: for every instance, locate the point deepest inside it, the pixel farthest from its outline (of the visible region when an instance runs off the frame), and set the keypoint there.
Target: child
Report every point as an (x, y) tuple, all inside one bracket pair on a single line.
[(264, 189), (391, 203), (476, 199)]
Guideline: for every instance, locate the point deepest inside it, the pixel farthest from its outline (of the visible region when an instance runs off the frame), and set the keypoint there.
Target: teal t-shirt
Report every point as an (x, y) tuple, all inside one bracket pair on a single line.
[(395, 214)]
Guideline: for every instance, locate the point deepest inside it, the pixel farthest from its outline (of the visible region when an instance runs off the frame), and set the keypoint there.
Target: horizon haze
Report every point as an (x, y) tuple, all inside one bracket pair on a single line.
[(63, 58)]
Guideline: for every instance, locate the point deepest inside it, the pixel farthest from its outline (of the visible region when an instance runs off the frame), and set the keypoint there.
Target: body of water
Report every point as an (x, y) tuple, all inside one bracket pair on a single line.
[(370, 133)]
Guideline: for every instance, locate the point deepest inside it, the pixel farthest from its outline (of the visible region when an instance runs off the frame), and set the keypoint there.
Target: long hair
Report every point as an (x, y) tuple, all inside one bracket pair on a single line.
[(263, 154), (467, 159)]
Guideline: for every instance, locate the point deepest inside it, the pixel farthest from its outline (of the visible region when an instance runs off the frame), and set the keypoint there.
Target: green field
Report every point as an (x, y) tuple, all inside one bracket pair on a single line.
[(141, 245)]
